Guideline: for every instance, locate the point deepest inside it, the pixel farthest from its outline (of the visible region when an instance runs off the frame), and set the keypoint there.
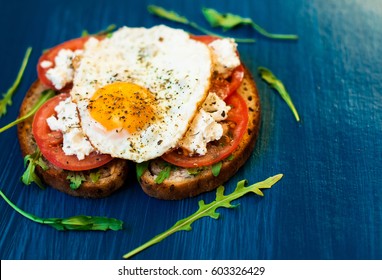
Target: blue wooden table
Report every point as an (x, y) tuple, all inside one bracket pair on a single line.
[(328, 204)]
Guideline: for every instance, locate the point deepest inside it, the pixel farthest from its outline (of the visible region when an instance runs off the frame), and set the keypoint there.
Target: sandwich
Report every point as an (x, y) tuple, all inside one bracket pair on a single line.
[(182, 109)]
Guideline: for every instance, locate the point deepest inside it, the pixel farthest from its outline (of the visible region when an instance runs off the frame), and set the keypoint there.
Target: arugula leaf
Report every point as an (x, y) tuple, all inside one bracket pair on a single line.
[(170, 15), (47, 94), (29, 176), (163, 174), (80, 222), (106, 31), (173, 16), (7, 97), (228, 21), (94, 176), (231, 157), (195, 170), (76, 179), (215, 168), (275, 83), (209, 210), (141, 168)]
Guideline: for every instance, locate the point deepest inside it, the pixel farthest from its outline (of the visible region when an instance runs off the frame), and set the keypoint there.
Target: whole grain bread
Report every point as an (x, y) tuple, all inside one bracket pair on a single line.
[(182, 183), (111, 176)]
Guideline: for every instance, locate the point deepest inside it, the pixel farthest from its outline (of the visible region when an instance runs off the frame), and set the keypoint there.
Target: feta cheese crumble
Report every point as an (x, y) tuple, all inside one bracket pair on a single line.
[(62, 73), (224, 56), (68, 122), (46, 64), (205, 127)]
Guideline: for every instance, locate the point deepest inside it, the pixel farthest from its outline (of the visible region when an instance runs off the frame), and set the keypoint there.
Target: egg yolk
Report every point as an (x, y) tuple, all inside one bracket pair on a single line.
[(123, 105)]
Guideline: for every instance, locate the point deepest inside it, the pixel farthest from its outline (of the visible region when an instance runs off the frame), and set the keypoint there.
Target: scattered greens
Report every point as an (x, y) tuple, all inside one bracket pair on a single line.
[(30, 175), (75, 179), (106, 31), (163, 174), (7, 97), (80, 222), (141, 168), (170, 15), (173, 16), (228, 21), (216, 168), (195, 170), (35, 159), (94, 176), (275, 83), (47, 94), (209, 210)]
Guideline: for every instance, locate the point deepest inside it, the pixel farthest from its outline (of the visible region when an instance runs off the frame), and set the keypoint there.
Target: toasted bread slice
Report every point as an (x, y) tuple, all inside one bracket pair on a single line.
[(181, 184), (111, 176)]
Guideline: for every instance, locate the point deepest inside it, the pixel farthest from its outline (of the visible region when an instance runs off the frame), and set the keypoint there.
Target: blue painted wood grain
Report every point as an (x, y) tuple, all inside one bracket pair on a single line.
[(327, 206)]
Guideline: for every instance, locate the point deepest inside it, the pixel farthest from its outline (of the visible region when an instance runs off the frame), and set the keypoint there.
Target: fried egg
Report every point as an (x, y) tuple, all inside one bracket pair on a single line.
[(138, 91)]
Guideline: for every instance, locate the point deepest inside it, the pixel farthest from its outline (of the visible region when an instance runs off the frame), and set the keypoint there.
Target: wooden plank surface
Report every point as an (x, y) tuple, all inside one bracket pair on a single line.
[(327, 206)]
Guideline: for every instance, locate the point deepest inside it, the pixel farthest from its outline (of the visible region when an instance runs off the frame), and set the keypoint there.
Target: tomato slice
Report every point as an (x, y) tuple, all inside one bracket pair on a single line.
[(223, 87), (206, 39), (50, 142), (237, 122), (49, 55)]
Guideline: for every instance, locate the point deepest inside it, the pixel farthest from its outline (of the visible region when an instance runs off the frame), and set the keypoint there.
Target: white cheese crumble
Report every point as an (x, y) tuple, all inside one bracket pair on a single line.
[(68, 122), (62, 72), (224, 56), (46, 64), (205, 127)]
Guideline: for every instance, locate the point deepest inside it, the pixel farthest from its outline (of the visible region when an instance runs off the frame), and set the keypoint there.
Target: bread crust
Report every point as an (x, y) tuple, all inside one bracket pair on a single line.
[(111, 176), (181, 184)]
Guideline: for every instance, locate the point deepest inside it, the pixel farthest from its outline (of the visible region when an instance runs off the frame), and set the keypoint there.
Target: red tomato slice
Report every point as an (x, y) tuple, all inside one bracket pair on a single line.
[(223, 87), (50, 142), (236, 121), (206, 39), (49, 55)]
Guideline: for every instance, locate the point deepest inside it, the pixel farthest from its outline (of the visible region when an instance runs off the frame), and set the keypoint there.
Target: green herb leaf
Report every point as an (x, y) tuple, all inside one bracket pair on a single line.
[(30, 163), (141, 168), (195, 170), (173, 16), (80, 222), (215, 168), (228, 21), (76, 179), (106, 31), (231, 157), (47, 94), (83, 222), (84, 33), (7, 97), (163, 174), (170, 15), (94, 176), (209, 210), (275, 83)]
